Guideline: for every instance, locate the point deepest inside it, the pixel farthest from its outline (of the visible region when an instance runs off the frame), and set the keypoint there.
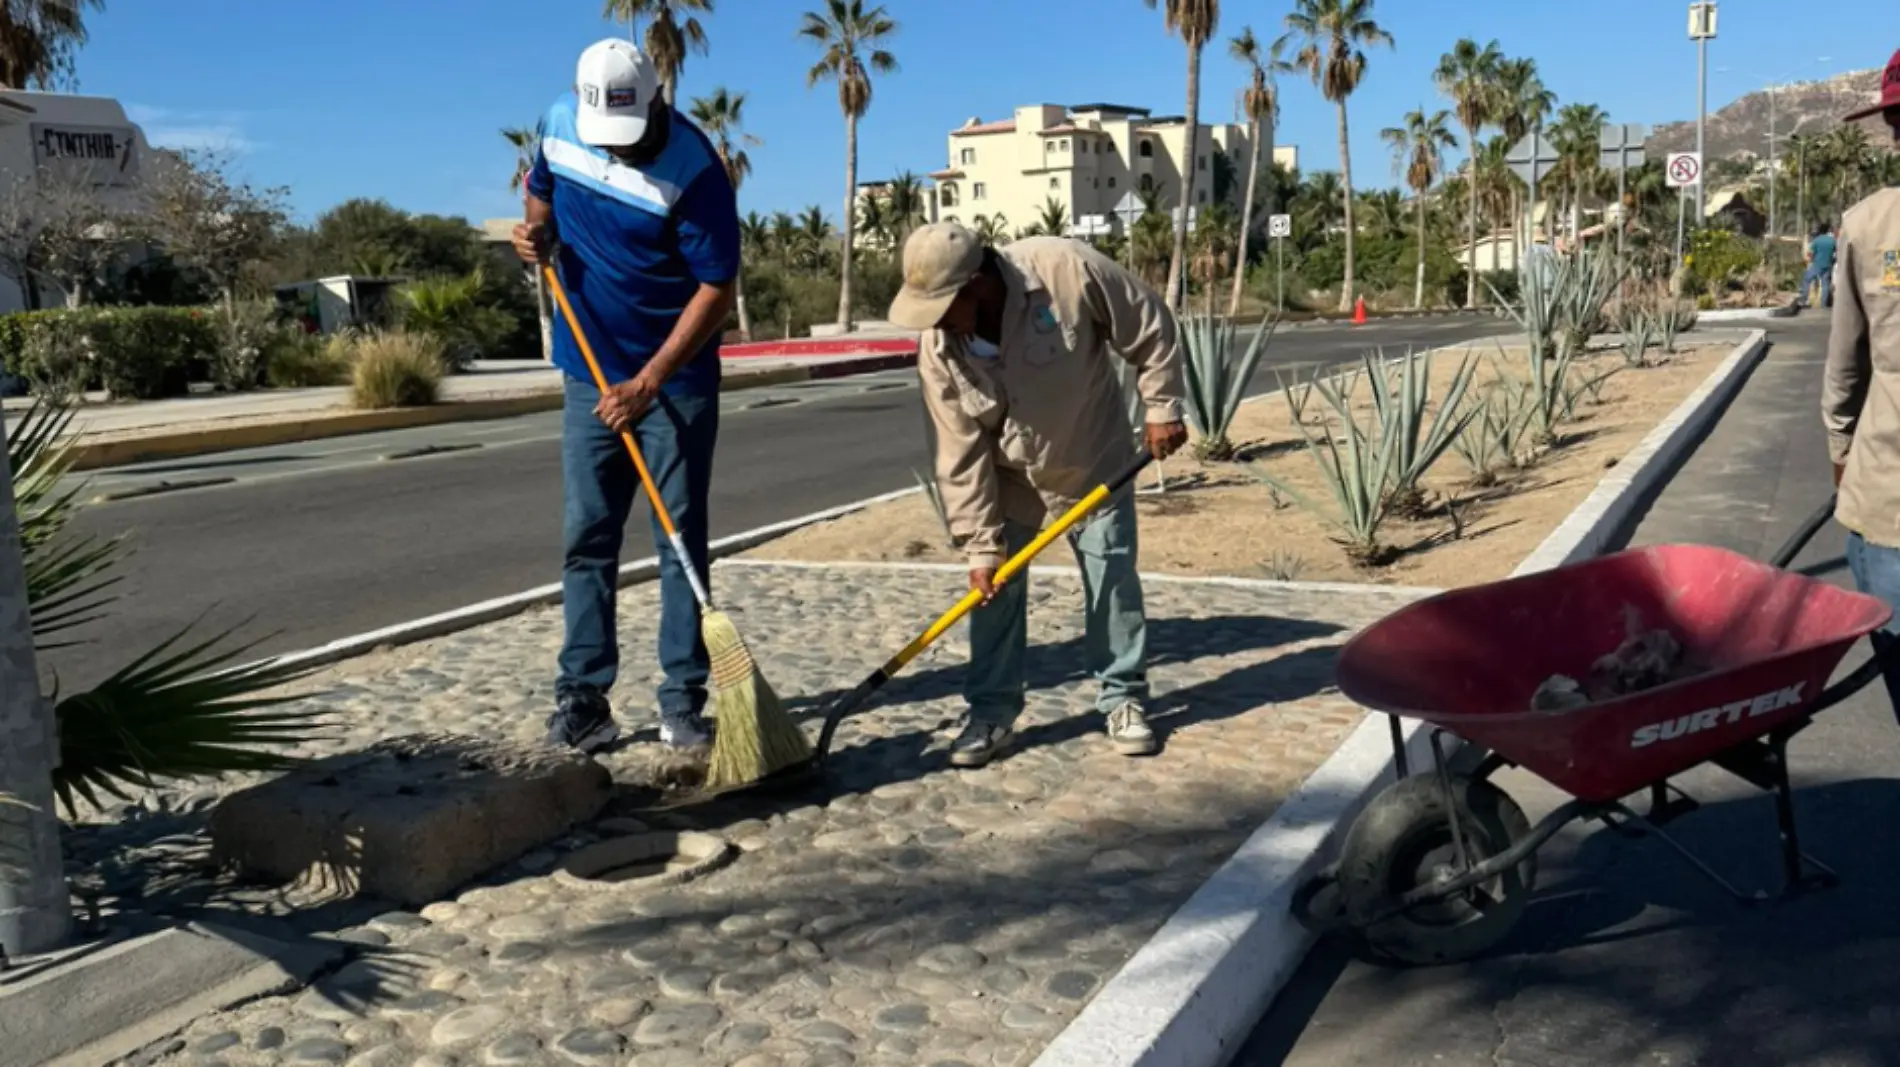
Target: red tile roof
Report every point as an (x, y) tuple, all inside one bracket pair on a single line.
[(942, 174), (1007, 126)]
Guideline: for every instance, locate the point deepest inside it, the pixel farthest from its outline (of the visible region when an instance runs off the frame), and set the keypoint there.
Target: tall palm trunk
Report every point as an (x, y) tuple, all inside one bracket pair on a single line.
[(1345, 180), (850, 218), (1177, 264), (1418, 287), (1246, 219), (1471, 222)]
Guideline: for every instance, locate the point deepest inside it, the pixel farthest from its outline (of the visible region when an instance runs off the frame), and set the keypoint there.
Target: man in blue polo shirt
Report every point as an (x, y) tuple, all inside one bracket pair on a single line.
[(630, 201)]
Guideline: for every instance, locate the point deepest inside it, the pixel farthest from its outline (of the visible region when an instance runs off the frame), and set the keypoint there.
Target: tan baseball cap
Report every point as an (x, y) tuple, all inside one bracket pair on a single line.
[(938, 260)]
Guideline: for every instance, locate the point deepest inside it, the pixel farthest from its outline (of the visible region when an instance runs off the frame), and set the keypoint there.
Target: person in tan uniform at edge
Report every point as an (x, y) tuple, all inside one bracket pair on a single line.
[(1028, 417), (1860, 403)]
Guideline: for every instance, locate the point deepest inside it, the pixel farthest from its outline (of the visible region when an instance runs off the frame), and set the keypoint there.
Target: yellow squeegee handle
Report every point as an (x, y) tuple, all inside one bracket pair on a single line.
[(633, 449), (971, 600)]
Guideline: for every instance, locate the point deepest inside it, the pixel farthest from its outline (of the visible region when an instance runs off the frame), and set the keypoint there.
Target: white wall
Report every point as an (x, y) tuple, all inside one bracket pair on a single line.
[(88, 133)]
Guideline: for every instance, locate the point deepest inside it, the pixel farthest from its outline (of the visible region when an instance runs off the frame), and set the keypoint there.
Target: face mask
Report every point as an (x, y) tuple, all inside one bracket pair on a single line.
[(982, 349)]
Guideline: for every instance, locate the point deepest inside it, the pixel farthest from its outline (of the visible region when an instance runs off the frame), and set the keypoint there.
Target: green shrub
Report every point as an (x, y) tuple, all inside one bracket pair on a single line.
[(136, 353), (453, 311), (307, 360), (397, 369), (1720, 257)]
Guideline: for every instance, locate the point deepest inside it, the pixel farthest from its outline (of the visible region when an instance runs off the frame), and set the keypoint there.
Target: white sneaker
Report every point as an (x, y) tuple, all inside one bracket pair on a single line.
[(1128, 730)]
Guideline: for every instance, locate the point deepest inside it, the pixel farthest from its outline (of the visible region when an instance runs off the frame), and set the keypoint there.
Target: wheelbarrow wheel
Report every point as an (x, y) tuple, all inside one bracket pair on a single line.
[(1403, 841)]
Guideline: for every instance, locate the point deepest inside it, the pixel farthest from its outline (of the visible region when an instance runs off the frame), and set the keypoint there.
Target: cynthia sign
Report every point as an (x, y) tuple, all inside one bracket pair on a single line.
[(105, 155)]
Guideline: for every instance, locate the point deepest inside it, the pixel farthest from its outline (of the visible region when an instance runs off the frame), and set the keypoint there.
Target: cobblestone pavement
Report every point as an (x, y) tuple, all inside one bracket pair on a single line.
[(922, 916)]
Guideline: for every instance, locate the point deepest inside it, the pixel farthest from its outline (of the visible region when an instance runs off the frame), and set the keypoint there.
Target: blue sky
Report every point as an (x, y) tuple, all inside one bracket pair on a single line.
[(402, 99)]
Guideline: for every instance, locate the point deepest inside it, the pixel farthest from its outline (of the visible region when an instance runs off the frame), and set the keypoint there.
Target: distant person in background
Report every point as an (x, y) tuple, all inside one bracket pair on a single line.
[(1861, 400), (629, 199), (1821, 253)]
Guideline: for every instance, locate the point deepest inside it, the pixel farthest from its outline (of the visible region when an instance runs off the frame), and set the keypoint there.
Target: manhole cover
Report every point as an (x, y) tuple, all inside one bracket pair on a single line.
[(639, 861)]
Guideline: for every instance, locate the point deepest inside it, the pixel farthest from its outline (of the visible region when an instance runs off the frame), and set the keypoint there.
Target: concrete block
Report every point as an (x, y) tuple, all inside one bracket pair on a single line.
[(409, 819)]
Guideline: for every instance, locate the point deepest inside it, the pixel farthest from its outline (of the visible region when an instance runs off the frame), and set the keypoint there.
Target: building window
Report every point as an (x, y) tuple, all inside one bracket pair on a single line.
[(1201, 164), (1062, 145), (1147, 149), (1111, 181), (1201, 196), (950, 218), (1147, 183), (1098, 183), (947, 196), (1055, 182), (967, 156), (977, 191)]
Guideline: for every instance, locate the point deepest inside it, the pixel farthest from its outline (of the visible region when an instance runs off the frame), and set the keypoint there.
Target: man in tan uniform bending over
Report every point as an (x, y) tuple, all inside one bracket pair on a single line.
[(1861, 400), (1028, 417)]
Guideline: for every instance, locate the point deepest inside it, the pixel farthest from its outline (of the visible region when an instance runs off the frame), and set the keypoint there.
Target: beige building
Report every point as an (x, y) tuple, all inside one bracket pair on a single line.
[(1081, 164)]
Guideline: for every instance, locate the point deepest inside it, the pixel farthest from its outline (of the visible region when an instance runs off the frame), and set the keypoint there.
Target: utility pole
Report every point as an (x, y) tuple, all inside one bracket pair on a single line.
[(1774, 177), (1701, 31), (34, 913)]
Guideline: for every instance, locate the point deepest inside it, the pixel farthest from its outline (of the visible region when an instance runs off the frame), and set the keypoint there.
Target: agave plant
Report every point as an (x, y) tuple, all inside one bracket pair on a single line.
[(1217, 377), (1636, 334), (1357, 465), (1403, 404), (1137, 410), (1558, 299), (935, 495), (178, 711), (1492, 441)]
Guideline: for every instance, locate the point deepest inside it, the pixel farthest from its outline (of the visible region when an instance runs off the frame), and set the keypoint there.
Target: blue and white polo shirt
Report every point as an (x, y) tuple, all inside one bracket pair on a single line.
[(636, 244)]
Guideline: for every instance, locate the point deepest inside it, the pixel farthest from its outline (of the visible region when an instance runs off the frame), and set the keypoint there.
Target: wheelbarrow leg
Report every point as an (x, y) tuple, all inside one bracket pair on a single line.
[(1399, 759), (1794, 862)]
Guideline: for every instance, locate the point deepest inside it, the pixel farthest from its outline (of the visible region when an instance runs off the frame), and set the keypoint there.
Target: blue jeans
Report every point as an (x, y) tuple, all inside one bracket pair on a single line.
[(1116, 641), (1876, 572), (676, 437), (1824, 275)]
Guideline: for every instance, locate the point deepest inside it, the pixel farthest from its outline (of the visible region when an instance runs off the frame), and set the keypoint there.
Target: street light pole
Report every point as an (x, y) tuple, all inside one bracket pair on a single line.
[(1774, 172), (1701, 30), (34, 914)]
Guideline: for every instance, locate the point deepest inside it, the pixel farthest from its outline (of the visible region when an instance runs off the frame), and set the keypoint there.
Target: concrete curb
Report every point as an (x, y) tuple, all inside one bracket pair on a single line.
[(95, 455), (1783, 311), (1191, 994)]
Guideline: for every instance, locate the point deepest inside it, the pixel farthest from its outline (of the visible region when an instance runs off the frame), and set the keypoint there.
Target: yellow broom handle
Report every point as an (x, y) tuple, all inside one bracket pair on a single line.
[(1012, 567), (633, 449)]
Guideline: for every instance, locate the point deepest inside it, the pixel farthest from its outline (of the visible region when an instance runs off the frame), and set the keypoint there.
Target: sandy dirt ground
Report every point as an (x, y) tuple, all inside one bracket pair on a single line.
[(1221, 519)]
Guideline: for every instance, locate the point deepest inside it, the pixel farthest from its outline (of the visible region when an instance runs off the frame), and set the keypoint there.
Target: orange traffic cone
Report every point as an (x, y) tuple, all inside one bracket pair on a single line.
[(1359, 311)]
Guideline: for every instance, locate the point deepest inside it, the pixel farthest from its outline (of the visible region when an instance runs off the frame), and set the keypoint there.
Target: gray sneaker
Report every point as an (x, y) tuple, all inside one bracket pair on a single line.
[(1128, 730), (979, 743)]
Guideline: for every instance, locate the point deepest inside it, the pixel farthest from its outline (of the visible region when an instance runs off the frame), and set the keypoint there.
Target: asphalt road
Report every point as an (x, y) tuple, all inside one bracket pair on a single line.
[(319, 541), (1628, 957)]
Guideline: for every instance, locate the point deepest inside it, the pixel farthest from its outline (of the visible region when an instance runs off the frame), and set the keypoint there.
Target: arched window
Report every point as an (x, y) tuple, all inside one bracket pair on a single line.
[(947, 196), (1147, 149)]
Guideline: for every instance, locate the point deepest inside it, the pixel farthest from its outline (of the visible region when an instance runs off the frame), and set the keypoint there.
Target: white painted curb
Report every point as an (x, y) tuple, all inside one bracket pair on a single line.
[(1194, 991), (487, 611), (1742, 314)]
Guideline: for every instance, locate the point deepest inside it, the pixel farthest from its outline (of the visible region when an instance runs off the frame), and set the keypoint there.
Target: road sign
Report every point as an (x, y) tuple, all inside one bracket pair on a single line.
[(1621, 147), (1128, 208), (1684, 169), (1280, 226), (1533, 158), (1701, 21)]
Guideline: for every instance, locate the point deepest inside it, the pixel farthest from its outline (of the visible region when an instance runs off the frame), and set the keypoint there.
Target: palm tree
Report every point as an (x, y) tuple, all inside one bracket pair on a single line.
[(1418, 155), (1320, 205), (1261, 102), (722, 116), (668, 39), (526, 143), (1330, 38), (1468, 75), (852, 37), (1526, 104), (38, 40), (1054, 219), (874, 221), (906, 202), (1577, 134), (1497, 186), (992, 230), (1194, 21), (755, 234)]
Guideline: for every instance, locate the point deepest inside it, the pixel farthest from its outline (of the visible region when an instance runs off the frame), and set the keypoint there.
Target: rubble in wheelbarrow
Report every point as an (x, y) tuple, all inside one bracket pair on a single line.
[(1647, 658)]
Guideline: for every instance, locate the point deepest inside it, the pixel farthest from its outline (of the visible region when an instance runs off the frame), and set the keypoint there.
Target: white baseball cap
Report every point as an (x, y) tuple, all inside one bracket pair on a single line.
[(615, 83)]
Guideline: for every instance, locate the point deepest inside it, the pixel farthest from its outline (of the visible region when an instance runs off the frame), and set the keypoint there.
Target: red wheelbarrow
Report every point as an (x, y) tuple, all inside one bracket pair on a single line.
[(1440, 866)]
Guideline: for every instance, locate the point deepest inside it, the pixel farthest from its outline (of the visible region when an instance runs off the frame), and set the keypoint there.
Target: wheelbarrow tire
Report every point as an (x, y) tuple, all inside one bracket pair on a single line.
[(1398, 843)]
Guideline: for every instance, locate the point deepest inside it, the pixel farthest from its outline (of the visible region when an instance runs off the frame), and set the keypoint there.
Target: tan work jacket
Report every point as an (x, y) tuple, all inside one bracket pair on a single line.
[(1034, 429), (1860, 402)]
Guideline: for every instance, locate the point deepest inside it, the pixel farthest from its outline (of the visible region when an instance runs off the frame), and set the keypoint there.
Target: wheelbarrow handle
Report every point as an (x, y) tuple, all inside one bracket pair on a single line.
[(1805, 533)]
